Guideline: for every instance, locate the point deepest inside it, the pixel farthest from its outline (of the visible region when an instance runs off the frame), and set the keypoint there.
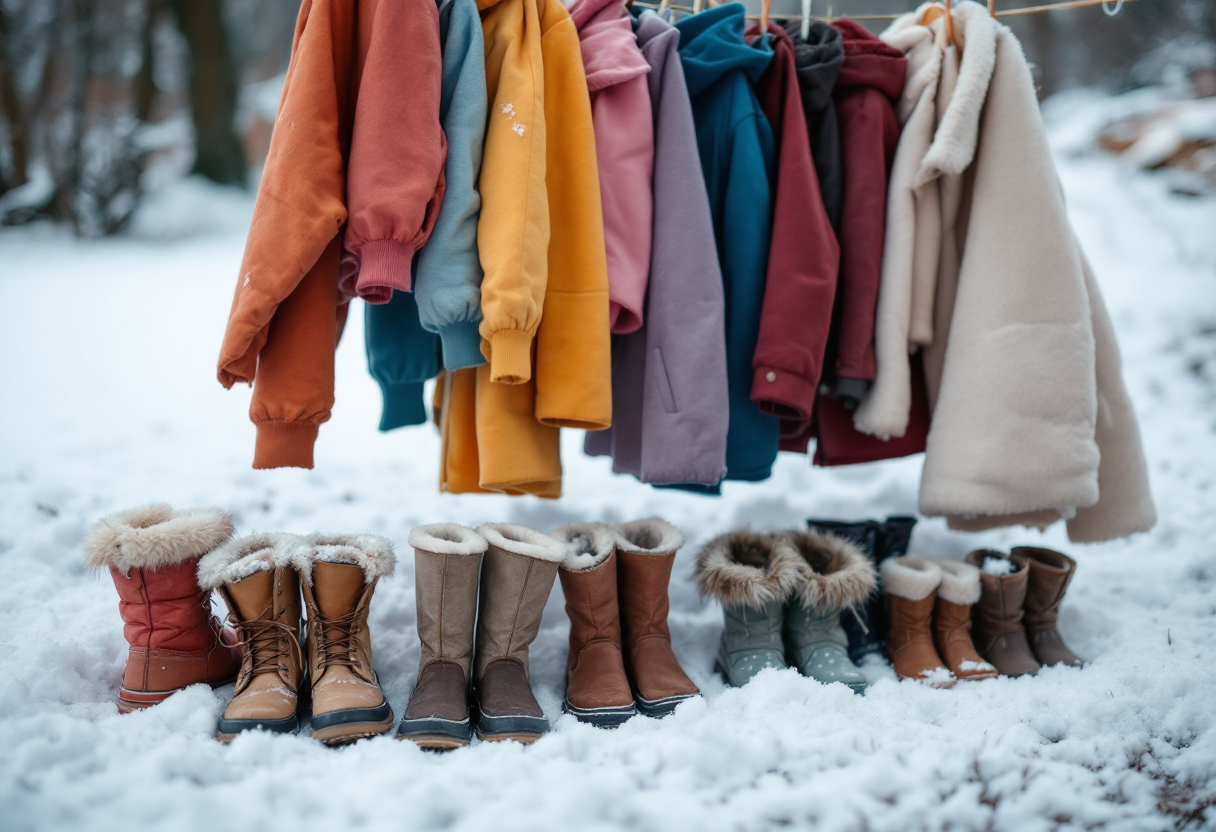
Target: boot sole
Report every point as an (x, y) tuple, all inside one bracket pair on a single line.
[(523, 729), (340, 727), (613, 717), (659, 708), (227, 730), (434, 733), (148, 698)]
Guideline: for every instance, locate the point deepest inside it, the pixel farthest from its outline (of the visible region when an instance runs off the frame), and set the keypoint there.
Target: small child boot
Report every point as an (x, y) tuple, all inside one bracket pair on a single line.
[(447, 563), (1050, 574), (597, 687), (835, 577), (959, 590), (151, 553), (257, 580), (997, 620), (911, 587), (752, 576), (338, 575)]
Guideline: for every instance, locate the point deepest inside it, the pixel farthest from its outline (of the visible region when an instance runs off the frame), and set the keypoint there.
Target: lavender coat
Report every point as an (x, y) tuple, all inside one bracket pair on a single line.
[(670, 408)]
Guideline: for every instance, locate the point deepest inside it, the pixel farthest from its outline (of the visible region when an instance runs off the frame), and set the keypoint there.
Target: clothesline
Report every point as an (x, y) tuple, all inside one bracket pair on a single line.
[(1046, 7)]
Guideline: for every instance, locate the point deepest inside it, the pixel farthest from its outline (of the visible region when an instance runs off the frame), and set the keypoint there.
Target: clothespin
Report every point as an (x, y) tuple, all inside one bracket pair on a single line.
[(806, 19)]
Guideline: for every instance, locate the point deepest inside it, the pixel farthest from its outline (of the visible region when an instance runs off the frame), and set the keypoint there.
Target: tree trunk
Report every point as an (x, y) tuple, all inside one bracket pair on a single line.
[(219, 154), (10, 109)]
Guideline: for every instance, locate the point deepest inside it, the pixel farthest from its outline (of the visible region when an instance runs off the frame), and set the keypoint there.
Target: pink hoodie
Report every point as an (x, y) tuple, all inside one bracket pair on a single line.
[(624, 147)]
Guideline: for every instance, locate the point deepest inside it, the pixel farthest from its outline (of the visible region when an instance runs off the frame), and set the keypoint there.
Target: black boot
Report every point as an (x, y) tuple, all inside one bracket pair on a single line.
[(860, 624)]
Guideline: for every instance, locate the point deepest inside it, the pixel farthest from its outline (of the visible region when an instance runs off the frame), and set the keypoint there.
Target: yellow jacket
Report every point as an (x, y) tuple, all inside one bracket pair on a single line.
[(513, 406)]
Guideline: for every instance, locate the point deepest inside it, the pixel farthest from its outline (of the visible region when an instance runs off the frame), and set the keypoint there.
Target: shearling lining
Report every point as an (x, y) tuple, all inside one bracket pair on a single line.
[(835, 573), (744, 569), (911, 578), (521, 540), (241, 557), (370, 552), (651, 536), (960, 582), (447, 539), (590, 544), (155, 535)]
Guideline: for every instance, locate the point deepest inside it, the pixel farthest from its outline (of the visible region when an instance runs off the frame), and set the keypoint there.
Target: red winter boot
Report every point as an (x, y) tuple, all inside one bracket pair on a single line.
[(152, 553)]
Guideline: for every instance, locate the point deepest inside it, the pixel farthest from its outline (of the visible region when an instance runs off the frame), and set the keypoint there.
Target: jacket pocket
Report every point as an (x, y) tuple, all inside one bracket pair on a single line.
[(661, 378)]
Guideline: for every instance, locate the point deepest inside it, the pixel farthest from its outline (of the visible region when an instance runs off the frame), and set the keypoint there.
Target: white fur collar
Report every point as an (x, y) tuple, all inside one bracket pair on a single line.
[(243, 556), (521, 540), (590, 544), (370, 552), (154, 536), (651, 536), (447, 539)]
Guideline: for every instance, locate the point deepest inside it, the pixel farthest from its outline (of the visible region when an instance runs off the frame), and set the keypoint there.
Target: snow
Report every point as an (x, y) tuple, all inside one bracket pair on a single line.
[(109, 401)]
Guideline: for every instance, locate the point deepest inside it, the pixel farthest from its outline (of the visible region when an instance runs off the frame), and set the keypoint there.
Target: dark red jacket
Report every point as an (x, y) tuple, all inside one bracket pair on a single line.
[(804, 257)]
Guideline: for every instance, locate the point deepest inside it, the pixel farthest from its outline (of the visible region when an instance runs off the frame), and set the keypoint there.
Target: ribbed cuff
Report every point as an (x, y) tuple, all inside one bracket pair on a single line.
[(403, 405), (782, 393), (511, 356), (850, 390), (461, 345), (384, 265), (283, 444)]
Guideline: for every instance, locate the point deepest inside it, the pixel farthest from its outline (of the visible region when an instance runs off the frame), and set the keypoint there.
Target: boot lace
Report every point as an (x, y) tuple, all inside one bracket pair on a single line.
[(261, 637), (336, 640)]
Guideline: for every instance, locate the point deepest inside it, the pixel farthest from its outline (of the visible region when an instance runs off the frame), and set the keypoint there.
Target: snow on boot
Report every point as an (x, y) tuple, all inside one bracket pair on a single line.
[(645, 554), (258, 581), (752, 576), (835, 577), (911, 586), (151, 553), (959, 590), (447, 562), (997, 620), (865, 626), (597, 687), (1050, 574), (517, 576), (338, 575)]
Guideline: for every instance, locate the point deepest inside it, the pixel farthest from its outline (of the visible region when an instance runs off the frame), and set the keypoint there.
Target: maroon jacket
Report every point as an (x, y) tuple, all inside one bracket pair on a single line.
[(803, 259)]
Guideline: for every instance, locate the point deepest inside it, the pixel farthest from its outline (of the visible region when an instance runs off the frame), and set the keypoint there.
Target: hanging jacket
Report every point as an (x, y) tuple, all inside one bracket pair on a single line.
[(804, 258), (624, 150), (447, 285), (283, 325), (401, 357), (870, 81), (516, 425), (735, 144), (394, 180), (818, 59), (669, 397)]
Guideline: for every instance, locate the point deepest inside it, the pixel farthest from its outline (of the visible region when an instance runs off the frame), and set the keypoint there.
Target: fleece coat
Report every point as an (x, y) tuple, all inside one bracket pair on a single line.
[(1031, 421), (624, 150), (285, 316), (669, 399), (803, 256), (735, 143)]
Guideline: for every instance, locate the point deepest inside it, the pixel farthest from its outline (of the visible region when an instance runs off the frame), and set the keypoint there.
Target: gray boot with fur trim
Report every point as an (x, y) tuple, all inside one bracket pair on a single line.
[(752, 576), (835, 576)]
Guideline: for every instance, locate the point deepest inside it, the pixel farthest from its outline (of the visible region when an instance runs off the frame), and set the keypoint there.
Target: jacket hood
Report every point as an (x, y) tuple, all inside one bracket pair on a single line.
[(817, 60), (712, 45), (869, 62), (610, 49)]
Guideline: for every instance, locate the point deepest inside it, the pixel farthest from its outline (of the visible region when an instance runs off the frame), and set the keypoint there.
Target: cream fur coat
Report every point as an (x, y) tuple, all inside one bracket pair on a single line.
[(1031, 421)]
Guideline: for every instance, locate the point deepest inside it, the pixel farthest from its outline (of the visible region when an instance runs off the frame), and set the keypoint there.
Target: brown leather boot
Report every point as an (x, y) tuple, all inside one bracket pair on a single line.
[(516, 578), (255, 577), (996, 621), (911, 587), (1050, 574), (152, 553), (645, 552), (597, 689), (338, 575), (958, 591), (447, 561)]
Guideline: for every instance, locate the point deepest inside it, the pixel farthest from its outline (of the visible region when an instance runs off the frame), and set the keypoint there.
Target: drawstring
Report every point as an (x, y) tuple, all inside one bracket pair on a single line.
[(861, 622)]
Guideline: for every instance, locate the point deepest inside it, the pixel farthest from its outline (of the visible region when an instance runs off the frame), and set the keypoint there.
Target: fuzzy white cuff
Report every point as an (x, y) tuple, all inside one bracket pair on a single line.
[(243, 556), (521, 540), (447, 539), (744, 569), (960, 582), (370, 552), (155, 535), (590, 544), (651, 536), (911, 578)]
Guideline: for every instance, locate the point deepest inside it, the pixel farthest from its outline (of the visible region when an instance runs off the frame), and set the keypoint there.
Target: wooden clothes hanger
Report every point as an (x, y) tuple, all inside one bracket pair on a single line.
[(938, 10), (766, 7)]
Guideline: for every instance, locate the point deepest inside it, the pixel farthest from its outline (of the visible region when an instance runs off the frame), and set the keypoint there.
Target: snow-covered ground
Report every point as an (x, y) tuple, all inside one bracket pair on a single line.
[(108, 399)]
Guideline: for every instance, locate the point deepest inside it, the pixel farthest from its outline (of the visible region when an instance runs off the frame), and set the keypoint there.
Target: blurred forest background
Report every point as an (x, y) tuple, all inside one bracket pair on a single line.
[(102, 99)]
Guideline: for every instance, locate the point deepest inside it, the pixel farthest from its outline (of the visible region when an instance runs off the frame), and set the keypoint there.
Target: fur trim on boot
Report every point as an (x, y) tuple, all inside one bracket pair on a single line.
[(241, 557), (910, 578), (370, 552), (590, 544), (651, 536), (447, 539), (835, 572), (521, 540), (960, 581), (745, 569), (155, 536)]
